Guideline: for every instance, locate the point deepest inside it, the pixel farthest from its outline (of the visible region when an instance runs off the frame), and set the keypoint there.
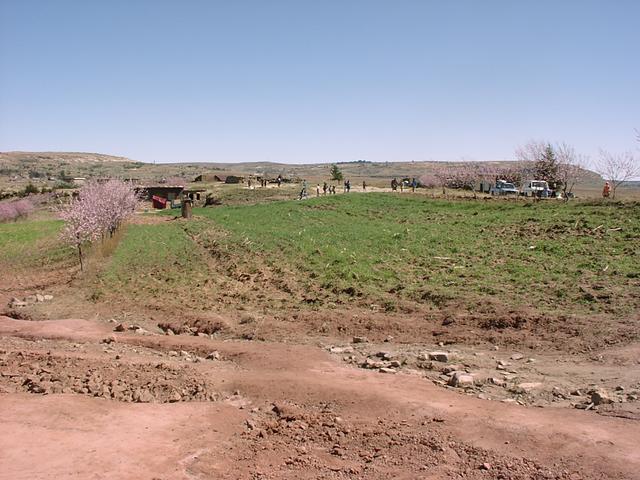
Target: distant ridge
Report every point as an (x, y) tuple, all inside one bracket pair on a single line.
[(69, 157)]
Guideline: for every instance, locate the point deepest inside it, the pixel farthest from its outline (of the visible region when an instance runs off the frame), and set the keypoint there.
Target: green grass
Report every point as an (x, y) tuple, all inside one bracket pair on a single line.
[(398, 252), (381, 247), (31, 243)]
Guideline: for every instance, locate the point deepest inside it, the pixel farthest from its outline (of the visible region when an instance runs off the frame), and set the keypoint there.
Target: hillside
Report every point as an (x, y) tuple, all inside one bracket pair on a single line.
[(18, 168)]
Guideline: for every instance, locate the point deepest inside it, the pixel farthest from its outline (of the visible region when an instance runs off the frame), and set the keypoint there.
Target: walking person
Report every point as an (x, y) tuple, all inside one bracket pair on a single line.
[(318, 190), (324, 188)]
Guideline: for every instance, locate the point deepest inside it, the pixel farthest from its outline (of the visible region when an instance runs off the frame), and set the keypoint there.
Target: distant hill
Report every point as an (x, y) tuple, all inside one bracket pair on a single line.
[(58, 157), (19, 168)]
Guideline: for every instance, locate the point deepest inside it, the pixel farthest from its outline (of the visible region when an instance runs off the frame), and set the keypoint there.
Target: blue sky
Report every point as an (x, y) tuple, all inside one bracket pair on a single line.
[(318, 81)]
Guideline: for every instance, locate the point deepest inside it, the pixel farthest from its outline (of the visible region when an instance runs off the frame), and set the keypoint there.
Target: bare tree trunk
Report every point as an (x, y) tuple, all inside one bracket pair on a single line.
[(80, 257)]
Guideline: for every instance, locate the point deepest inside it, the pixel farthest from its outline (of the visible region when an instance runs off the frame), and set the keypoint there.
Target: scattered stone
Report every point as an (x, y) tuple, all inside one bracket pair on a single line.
[(184, 353), (388, 339), (576, 393), (395, 364), (168, 331), (497, 381), (173, 353), (485, 466), (30, 299), (526, 387), (119, 328), (39, 298), (341, 350), (517, 356), (439, 356), (387, 370), (360, 340), (531, 360), (600, 397), (461, 379), (48, 298), (448, 369), (213, 356), (17, 303), (619, 388)]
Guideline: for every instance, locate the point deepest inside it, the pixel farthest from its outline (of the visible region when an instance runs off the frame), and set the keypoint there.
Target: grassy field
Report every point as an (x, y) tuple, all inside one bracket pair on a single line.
[(31, 244), (378, 246), (391, 251), (397, 253)]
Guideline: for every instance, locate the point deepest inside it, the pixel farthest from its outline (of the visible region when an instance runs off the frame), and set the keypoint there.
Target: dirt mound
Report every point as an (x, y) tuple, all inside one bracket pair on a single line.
[(124, 382), (314, 441)]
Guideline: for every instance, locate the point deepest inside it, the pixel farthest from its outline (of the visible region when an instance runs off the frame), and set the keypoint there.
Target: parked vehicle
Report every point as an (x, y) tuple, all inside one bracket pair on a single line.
[(503, 187), (536, 188)]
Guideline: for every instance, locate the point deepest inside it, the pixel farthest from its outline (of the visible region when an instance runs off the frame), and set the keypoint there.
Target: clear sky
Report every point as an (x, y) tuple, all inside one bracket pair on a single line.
[(305, 81)]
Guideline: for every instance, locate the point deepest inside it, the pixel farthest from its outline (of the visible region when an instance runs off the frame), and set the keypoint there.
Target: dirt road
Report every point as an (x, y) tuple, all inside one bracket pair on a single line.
[(266, 410)]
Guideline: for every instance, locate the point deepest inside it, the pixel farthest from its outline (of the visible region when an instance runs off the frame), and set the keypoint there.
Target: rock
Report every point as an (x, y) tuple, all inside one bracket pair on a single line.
[(387, 370), (485, 466), (108, 340), (30, 299), (341, 350), (48, 298), (395, 364), (142, 396), (39, 297), (517, 356), (173, 353), (384, 355), (451, 368), (461, 379), (119, 328), (526, 387), (497, 381), (15, 302), (439, 356), (388, 339), (174, 396), (619, 388), (169, 332), (600, 397), (213, 355), (184, 353), (360, 340)]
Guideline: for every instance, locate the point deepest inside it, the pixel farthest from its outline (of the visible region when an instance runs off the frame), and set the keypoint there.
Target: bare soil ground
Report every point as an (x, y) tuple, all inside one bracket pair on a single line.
[(88, 402)]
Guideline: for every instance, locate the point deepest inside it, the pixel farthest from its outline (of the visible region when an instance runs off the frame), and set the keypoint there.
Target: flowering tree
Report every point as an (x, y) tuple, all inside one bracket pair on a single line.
[(16, 209), (98, 210)]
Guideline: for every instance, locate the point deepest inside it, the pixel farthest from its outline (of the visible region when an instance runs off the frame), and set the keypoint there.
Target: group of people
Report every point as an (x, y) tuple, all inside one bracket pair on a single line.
[(264, 182), (395, 184)]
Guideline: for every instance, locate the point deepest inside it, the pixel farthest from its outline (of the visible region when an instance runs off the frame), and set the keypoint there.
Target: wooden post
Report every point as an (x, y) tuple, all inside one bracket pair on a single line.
[(186, 208)]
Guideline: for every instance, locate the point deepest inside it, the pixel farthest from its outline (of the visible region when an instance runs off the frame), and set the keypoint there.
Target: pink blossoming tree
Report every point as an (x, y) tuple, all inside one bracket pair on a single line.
[(97, 211)]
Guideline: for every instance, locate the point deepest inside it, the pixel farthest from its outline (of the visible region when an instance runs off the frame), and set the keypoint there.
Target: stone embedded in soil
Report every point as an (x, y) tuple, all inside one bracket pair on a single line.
[(213, 356), (600, 397), (119, 328), (517, 356), (439, 356), (497, 381), (461, 379), (526, 387), (387, 370), (360, 340)]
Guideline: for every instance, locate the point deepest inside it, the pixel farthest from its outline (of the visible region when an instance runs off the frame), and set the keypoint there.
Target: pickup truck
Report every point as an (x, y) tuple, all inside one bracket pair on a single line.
[(536, 188), (504, 188)]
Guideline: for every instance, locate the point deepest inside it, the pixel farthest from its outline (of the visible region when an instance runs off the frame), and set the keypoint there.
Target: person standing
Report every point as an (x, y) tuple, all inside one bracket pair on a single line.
[(606, 190), (364, 186), (414, 184), (348, 185), (324, 188), (318, 190)]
